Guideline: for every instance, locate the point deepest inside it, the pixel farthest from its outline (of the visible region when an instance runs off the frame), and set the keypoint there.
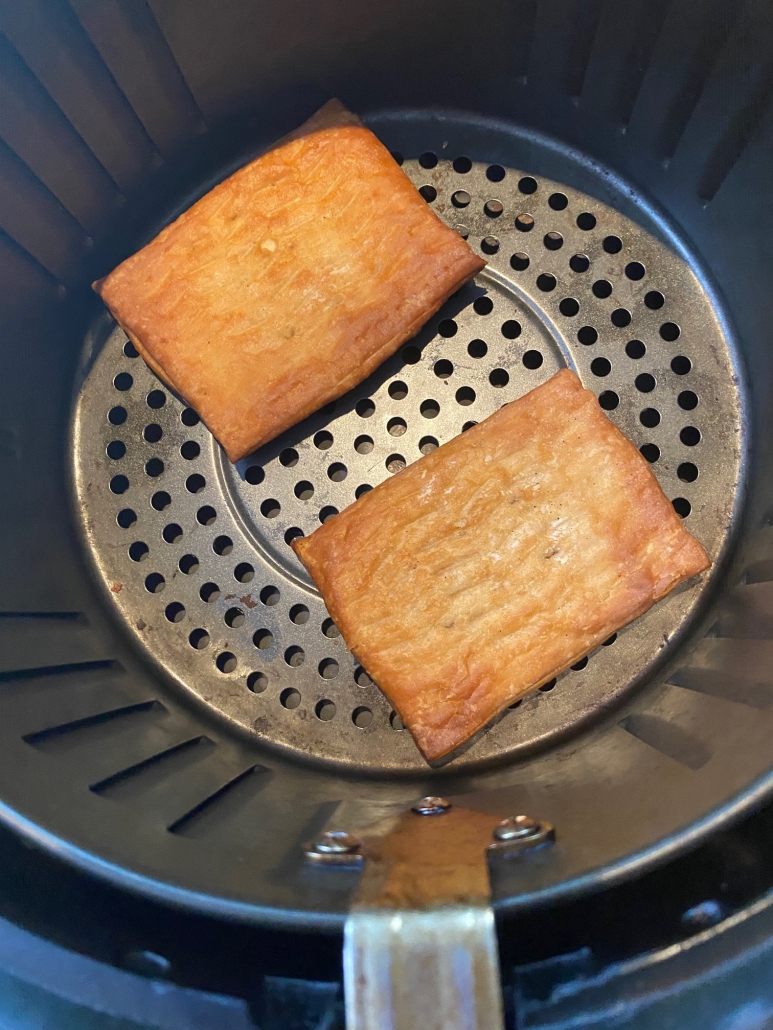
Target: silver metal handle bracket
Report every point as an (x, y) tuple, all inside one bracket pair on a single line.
[(420, 945)]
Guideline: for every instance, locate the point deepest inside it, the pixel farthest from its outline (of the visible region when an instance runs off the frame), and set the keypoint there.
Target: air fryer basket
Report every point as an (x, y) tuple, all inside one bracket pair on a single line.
[(178, 712)]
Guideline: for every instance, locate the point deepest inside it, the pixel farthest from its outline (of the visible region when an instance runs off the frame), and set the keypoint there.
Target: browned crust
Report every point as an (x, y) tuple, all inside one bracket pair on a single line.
[(290, 282), (393, 566)]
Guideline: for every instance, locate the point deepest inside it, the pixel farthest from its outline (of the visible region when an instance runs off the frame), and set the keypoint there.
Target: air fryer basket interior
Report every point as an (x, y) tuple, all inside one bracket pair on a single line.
[(178, 713)]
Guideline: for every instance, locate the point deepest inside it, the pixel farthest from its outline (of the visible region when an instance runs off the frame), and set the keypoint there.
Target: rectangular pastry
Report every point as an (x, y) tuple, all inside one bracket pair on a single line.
[(500, 559), (290, 282)]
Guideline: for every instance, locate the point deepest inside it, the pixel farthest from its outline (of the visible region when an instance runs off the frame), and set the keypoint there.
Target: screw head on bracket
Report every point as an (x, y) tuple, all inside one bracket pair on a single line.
[(335, 848), (516, 827), (431, 806), (520, 833), (336, 842)]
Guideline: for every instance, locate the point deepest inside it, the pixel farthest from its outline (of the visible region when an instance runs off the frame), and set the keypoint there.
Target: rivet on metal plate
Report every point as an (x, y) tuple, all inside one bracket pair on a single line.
[(520, 833), (334, 847), (431, 806)]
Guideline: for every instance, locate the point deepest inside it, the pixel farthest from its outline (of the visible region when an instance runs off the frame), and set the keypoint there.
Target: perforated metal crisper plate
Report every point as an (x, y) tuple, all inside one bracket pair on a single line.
[(195, 553)]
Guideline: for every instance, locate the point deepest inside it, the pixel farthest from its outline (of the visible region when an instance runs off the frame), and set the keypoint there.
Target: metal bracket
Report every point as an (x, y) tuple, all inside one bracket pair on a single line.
[(437, 970), (420, 946)]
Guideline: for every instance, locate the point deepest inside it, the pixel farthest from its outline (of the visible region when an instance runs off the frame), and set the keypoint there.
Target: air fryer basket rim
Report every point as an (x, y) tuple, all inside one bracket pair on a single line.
[(332, 922)]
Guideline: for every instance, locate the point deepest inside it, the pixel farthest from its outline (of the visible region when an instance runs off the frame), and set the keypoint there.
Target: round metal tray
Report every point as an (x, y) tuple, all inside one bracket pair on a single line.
[(195, 553), (133, 754)]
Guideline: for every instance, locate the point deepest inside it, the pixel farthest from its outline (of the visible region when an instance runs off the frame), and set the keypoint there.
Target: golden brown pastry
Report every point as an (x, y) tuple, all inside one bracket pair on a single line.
[(288, 283), (498, 560)]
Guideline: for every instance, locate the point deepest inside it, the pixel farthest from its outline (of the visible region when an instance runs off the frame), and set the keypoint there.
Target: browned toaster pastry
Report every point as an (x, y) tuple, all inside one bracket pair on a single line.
[(288, 283), (512, 551)]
